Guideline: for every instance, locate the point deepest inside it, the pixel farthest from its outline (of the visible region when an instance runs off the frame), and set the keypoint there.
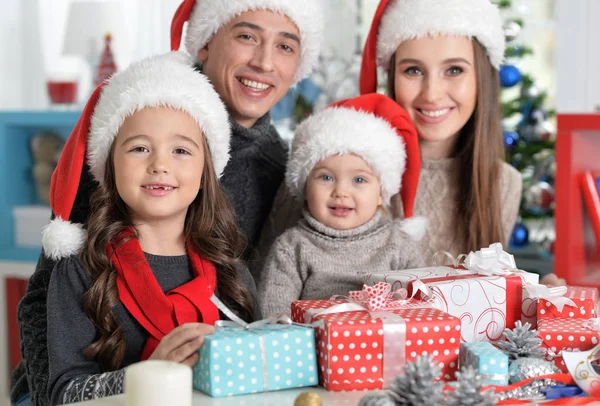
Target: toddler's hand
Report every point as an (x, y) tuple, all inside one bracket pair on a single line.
[(553, 280), (182, 344)]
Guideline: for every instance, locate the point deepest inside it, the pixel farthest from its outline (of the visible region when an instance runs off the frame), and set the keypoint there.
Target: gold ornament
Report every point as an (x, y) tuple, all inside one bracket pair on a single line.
[(308, 399)]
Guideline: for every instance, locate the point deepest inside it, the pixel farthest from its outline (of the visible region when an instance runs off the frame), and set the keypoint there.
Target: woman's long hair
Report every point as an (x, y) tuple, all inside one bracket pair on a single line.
[(479, 153), (210, 227)]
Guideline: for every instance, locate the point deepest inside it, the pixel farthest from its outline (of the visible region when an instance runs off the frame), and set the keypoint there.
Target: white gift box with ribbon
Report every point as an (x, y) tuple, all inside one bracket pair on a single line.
[(486, 291)]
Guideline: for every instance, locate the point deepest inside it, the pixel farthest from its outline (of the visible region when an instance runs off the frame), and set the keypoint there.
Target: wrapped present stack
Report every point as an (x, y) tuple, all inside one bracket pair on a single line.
[(567, 321)]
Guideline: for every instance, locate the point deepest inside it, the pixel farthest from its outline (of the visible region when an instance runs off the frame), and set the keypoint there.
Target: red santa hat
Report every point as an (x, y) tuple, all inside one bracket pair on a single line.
[(167, 80), (396, 21), (373, 127), (206, 17)]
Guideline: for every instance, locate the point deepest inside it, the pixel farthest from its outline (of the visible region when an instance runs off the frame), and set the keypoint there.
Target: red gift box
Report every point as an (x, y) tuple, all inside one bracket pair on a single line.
[(351, 344), (585, 299), (559, 335)]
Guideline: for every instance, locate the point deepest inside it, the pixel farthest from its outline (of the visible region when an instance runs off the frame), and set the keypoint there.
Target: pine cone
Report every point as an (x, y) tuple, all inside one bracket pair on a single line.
[(522, 342), (417, 386), (467, 389), (376, 399)]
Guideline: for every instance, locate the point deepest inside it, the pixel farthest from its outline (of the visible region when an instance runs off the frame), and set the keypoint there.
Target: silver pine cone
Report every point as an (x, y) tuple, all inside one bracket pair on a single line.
[(418, 385), (522, 342), (467, 389)]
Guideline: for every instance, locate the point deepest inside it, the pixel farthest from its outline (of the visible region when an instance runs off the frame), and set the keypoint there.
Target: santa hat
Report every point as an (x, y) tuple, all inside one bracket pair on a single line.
[(373, 127), (396, 21), (165, 80), (206, 17)]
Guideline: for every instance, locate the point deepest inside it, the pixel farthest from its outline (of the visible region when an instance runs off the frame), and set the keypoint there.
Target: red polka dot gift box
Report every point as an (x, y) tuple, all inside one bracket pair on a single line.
[(363, 349), (582, 304), (560, 335)]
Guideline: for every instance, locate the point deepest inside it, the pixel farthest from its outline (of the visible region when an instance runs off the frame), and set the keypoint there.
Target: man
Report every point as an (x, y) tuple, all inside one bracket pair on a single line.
[(252, 51)]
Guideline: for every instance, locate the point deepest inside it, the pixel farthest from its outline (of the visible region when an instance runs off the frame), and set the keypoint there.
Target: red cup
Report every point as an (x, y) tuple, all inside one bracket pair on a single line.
[(62, 92)]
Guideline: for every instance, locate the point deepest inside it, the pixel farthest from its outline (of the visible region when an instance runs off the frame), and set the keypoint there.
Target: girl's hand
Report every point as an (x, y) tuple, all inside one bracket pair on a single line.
[(553, 280), (182, 344)]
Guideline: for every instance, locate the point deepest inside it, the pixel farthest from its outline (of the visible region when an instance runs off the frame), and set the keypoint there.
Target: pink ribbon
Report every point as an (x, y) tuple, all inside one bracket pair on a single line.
[(377, 297)]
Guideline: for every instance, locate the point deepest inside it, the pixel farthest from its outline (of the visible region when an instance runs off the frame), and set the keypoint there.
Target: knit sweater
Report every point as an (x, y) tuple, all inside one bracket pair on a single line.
[(74, 378), (253, 175), (436, 200), (251, 179), (313, 261)]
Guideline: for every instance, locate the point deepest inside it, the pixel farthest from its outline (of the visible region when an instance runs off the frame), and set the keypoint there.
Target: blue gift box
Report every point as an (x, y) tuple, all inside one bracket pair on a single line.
[(234, 361), (487, 359)]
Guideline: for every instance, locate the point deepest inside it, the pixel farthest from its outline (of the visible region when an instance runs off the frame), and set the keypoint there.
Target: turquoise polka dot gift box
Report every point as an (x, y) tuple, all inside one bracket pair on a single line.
[(235, 361), (487, 359)]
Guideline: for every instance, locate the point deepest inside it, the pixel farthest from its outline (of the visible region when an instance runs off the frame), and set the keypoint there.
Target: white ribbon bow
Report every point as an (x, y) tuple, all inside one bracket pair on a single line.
[(492, 260), (555, 295)]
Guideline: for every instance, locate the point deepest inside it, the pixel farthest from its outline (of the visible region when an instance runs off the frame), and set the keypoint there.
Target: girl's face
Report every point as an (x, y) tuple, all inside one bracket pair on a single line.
[(342, 192), (436, 83), (158, 160)]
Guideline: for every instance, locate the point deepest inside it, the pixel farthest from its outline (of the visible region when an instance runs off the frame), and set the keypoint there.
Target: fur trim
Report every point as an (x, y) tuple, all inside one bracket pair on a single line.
[(209, 16), (164, 80), (409, 19), (415, 227), (338, 131), (61, 238)]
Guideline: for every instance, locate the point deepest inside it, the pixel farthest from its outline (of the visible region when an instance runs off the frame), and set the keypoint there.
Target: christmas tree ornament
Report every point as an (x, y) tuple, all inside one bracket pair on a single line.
[(537, 116), (511, 29), (544, 132), (511, 138), (308, 399), (520, 236), (376, 399), (539, 198), (107, 66), (467, 389), (510, 75), (522, 346), (418, 386), (530, 92)]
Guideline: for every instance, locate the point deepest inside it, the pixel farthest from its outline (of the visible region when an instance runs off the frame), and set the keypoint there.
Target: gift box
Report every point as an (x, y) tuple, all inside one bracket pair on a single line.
[(360, 349), (487, 359), (234, 361), (582, 304), (560, 335), (486, 305)]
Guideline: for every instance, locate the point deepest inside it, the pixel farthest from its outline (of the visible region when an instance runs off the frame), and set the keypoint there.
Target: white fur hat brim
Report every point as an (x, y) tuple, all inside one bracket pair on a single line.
[(409, 19), (339, 131), (209, 16), (167, 80)]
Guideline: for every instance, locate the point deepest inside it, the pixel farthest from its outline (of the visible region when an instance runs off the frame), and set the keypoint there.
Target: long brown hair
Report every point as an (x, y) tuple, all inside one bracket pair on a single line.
[(210, 227), (479, 153)]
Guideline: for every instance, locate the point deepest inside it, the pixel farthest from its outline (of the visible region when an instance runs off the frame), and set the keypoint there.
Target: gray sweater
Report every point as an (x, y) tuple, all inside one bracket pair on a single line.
[(313, 261), (74, 378)]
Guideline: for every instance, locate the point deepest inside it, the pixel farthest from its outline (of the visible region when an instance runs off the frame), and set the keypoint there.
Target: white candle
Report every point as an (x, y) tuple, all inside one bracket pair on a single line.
[(158, 383)]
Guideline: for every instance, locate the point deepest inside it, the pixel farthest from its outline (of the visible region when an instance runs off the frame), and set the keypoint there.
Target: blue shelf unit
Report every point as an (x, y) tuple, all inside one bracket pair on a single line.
[(16, 163)]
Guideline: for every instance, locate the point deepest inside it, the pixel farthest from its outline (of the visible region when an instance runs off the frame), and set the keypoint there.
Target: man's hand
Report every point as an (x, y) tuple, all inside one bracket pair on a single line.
[(553, 280)]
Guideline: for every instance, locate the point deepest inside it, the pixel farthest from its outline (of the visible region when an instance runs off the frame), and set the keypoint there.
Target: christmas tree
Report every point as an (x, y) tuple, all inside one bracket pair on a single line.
[(529, 136)]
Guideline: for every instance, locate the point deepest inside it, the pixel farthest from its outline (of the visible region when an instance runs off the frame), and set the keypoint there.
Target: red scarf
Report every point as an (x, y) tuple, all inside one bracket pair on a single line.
[(157, 312)]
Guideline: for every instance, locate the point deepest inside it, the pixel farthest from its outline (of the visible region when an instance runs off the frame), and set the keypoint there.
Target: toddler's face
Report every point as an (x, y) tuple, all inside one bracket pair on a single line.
[(343, 192), (158, 160)]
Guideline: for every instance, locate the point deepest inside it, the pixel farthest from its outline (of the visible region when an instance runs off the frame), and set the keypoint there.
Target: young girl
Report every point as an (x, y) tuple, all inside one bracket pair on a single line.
[(442, 59), (161, 238), (346, 163)]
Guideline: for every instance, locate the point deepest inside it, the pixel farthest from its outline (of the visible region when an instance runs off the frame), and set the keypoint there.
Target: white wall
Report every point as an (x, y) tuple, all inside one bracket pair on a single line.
[(10, 54)]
